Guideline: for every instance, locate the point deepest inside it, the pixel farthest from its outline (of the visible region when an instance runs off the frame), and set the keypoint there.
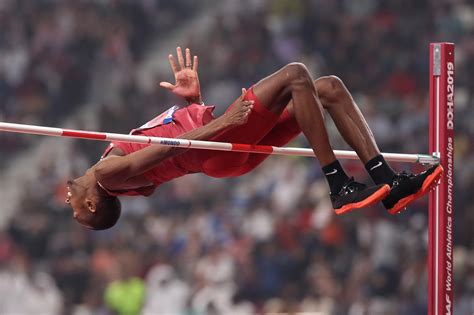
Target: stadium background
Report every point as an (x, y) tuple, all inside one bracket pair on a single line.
[(266, 242)]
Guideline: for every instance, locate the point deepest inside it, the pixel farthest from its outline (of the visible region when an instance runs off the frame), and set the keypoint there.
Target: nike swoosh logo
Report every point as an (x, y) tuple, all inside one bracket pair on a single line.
[(334, 171), (375, 166)]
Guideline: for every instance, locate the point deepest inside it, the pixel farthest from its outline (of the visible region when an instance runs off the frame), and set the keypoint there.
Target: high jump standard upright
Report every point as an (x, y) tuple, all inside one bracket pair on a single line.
[(441, 200)]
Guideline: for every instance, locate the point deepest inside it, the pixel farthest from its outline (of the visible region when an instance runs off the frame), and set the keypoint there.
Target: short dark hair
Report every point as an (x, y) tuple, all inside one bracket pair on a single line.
[(107, 213)]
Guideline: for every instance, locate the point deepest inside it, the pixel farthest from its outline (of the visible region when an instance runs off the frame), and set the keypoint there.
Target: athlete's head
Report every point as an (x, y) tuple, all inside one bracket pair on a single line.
[(92, 206)]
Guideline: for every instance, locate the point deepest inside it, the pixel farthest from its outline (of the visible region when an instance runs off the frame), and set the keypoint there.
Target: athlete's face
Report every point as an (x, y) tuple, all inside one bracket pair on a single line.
[(75, 196), (81, 197)]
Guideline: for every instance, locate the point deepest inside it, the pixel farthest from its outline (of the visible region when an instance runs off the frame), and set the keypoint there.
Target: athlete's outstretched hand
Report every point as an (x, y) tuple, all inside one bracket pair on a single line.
[(186, 77), (239, 113)]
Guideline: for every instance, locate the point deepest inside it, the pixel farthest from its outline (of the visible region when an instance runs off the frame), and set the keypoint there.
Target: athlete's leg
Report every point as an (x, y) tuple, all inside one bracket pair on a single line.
[(285, 130), (353, 127), (293, 82), (350, 122), (271, 96)]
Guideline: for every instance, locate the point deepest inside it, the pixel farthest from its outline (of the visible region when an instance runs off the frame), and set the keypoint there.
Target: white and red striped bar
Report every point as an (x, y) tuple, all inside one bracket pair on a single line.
[(207, 145), (441, 201)]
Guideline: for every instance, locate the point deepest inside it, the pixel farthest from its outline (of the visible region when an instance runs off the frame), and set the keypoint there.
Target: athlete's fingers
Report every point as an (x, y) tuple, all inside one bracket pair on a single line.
[(172, 61), (243, 92), (188, 58), (248, 103), (195, 64), (179, 52), (167, 85)]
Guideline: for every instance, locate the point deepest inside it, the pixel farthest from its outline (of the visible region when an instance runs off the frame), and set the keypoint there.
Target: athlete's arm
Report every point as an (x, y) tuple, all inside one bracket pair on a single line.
[(116, 171), (186, 77)]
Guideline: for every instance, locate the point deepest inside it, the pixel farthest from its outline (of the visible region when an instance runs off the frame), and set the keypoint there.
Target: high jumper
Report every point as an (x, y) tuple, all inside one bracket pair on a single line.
[(272, 112)]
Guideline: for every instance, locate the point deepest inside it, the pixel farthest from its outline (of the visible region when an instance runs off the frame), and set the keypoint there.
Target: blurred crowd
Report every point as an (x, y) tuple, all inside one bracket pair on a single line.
[(49, 51), (267, 242)]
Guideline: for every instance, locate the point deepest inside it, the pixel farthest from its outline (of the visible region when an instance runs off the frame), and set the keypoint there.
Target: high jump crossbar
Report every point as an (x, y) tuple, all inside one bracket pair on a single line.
[(441, 140), (197, 144)]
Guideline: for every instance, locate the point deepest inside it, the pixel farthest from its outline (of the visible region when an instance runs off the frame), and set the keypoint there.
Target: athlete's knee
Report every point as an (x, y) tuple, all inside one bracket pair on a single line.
[(297, 74), (329, 86), (330, 90)]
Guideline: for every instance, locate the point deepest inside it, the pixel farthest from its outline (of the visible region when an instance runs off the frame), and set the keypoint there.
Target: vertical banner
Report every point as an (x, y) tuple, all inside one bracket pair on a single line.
[(441, 200)]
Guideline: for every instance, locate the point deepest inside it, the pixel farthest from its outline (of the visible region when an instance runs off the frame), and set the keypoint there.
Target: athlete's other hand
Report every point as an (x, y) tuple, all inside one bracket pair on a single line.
[(186, 77), (240, 111)]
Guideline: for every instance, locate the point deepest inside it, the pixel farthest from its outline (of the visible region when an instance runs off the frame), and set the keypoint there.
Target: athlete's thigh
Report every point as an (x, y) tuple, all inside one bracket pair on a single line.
[(260, 121), (285, 130), (274, 91)]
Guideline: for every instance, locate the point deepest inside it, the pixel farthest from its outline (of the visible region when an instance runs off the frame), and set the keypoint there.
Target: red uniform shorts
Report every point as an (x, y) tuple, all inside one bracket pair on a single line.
[(263, 128)]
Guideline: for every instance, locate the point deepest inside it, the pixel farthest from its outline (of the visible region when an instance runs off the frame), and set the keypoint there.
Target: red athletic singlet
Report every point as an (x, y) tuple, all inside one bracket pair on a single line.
[(170, 124), (262, 127)]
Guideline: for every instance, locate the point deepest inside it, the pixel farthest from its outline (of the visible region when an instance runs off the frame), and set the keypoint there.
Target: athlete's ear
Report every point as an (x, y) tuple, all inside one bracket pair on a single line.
[(91, 205)]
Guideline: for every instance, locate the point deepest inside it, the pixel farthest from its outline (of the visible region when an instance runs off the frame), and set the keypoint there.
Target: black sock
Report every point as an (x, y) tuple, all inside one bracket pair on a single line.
[(335, 176), (379, 170)]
